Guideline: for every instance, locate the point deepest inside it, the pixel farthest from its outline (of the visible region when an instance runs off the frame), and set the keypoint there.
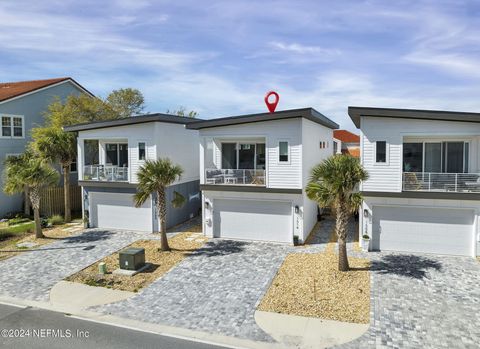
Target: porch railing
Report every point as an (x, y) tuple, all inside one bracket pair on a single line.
[(441, 182), (235, 177), (106, 173)]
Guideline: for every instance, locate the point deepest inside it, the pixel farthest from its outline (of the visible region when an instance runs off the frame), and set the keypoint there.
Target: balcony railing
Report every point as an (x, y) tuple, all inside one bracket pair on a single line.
[(441, 182), (235, 177), (105, 173)]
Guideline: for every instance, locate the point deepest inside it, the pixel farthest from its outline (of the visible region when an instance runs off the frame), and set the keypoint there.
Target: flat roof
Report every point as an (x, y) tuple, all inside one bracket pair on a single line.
[(140, 119), (308, 113), (356, 113)]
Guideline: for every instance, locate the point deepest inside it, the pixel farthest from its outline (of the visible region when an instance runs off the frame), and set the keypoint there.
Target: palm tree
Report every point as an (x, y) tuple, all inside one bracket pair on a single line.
[(31, 171), (56, 145), (334, 183), (153, 179)]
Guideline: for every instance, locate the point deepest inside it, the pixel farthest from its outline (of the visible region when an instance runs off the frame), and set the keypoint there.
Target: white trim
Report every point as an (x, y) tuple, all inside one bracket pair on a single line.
[(46, 87), (12, 154), (288, 150), (12, 116)]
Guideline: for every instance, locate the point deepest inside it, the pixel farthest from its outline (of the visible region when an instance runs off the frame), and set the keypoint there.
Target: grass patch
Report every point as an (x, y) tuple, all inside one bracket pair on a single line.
[(161, 262), (311, 285)]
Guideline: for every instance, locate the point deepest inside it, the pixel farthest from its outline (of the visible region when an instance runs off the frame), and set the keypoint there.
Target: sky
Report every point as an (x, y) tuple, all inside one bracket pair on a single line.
[(220, 58)]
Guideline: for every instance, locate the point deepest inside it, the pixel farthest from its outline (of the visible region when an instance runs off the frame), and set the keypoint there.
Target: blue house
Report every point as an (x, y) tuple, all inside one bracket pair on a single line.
[(22, 107)]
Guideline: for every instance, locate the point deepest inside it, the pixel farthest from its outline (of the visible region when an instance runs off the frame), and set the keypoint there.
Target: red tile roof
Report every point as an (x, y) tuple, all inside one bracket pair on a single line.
[(10, 90), (346, 136), (353, 151)]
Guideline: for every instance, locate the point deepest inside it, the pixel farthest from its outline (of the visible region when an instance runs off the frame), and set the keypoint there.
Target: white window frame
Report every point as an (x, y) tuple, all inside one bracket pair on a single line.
[(288, 150), (387, 154), (237, 150), (138, 151), (118, 152), (11, 116), (12, 154)]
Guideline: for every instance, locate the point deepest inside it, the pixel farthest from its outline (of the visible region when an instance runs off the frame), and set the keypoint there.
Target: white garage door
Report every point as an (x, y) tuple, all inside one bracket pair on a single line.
[(117, 211), (429, 230), (253, 220)]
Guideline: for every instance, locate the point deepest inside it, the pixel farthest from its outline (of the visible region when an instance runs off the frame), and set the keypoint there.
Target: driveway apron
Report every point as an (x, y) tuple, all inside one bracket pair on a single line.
[(216, 289), (31, 274)]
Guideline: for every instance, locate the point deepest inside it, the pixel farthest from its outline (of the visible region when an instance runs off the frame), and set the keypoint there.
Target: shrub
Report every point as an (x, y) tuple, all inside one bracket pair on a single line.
[(56, 220), (18, 220)]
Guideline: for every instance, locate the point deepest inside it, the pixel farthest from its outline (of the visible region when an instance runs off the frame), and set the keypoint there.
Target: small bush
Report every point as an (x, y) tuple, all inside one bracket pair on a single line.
[(18, 220), (56, 220)]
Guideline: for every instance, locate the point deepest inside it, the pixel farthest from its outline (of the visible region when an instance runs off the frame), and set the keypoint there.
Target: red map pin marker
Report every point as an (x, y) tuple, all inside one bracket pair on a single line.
[(271, 105)]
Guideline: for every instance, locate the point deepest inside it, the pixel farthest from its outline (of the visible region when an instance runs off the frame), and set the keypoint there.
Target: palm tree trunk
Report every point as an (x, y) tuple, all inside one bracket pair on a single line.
[(162, 215), (341, 229), (35, 200), (26, 207), (66, 190)]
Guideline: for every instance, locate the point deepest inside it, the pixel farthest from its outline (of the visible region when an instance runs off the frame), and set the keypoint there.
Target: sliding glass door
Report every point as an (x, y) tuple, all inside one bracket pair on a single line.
[(436, 157), (246, 156), (433, 157), (229, 156)]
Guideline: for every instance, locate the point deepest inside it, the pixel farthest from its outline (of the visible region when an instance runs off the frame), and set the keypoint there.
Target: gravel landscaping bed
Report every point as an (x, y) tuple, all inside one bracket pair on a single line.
[(181, 246), (309, 284), (10, 249)]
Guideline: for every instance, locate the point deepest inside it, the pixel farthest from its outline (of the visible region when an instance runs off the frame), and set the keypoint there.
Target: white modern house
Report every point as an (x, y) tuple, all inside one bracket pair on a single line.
[(253, 171), (423, 193), (111, 152)]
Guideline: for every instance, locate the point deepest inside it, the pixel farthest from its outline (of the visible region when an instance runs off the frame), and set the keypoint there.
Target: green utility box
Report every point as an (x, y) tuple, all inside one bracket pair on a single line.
[(132, 258)]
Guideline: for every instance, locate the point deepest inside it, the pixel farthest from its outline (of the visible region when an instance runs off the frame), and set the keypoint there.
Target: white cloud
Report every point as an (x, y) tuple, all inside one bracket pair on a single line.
[(302, 49)]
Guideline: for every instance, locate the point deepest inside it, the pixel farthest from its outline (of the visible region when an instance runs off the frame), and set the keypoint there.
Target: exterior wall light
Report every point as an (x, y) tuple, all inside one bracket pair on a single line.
[(365, 213)]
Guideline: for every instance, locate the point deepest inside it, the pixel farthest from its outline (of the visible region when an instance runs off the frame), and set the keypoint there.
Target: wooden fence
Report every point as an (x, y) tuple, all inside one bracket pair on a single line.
[(51, 201)]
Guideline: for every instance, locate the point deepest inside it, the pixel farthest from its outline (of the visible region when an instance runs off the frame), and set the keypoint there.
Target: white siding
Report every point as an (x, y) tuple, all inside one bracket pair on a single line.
[(388, 177), (181, 145), (162, 140), (288, 175), (312, 135)]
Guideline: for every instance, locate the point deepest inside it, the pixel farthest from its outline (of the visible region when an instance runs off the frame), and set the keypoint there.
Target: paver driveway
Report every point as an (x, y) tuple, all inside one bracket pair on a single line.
[(31, 274), (214, 290), (423, 301)]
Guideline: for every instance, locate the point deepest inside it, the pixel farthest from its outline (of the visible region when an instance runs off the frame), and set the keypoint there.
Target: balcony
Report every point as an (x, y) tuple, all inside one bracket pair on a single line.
[(441, 182), (235, 177), (105, 173)]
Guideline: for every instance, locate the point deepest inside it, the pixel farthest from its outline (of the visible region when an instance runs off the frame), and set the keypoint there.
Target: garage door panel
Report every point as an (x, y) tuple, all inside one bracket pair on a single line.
[(429, 230), (117, 211), (253, 220)]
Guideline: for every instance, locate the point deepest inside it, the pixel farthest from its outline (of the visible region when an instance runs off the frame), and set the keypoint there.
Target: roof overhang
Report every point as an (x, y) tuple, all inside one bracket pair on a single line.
[(53, 84), (307, 113), (141, 119), (356, 114)]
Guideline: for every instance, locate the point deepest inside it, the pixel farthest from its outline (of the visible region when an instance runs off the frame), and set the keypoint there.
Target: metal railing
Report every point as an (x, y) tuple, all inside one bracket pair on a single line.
[(235, 177), (441, 182), (105, 173)]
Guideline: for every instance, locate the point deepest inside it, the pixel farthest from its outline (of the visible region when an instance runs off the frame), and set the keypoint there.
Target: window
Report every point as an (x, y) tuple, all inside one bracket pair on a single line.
[(283, 151), (248, 156), (381, 152), (142, 155), (17, 127), (6, 126), (12, 126), (117, 154), (436, 157), (73, 166), (335, 147), (412, 157)]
